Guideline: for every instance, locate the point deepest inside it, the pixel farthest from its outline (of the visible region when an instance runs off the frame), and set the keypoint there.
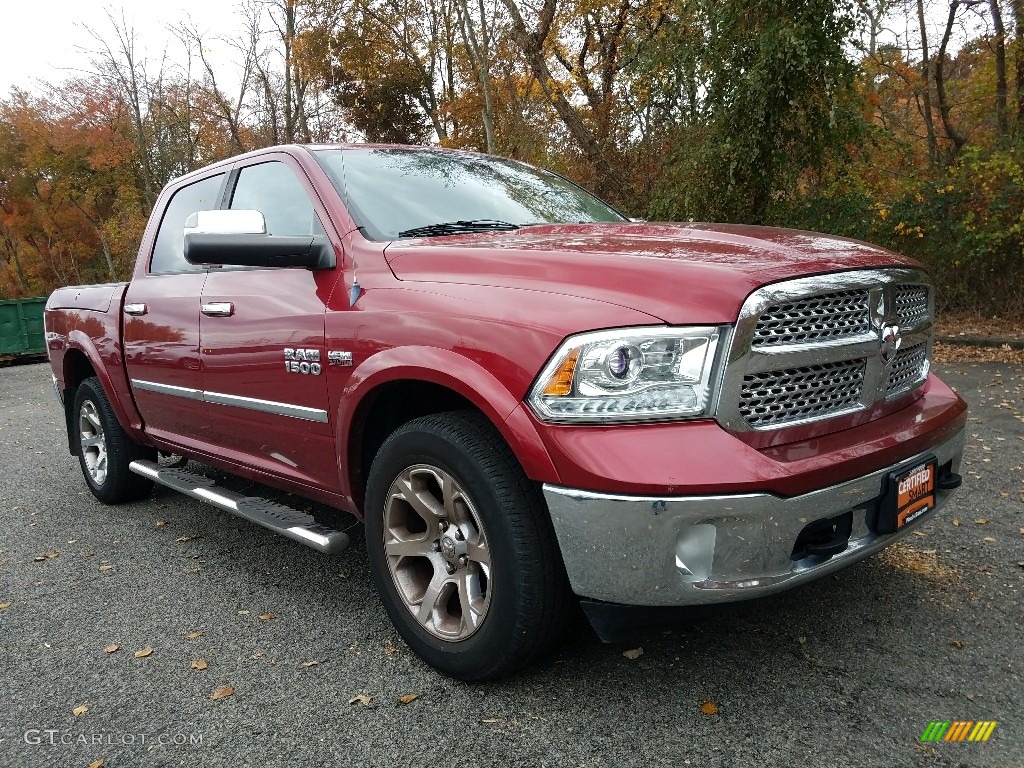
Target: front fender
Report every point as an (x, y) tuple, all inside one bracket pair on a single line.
[(459, 374)]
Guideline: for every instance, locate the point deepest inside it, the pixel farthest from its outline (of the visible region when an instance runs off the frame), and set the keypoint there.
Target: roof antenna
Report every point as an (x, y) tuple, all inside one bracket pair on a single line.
[(354, 292)]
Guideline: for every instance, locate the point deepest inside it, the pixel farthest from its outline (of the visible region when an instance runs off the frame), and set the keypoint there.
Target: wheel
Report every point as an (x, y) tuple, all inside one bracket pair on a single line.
[(462, 549), (105, 450)]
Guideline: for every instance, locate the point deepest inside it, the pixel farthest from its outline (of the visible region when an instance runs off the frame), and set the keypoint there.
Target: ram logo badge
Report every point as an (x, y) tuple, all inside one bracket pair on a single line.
[(302, 361)]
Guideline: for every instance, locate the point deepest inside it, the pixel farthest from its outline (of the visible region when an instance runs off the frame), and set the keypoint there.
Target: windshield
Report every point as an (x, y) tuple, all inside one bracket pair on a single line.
[(396, 193)]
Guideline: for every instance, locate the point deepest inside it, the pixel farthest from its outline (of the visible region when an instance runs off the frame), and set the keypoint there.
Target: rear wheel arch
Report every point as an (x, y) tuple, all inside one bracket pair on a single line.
[(77, 368), (105, 450)]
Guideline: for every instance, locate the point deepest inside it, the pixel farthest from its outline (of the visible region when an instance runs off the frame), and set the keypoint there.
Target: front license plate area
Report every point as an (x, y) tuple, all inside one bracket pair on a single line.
[(910, 493)]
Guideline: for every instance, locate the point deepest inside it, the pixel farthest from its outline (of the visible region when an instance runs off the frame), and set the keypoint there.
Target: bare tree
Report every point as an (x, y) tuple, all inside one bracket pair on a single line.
[(957, 138), (117, 61), (926, 96), (476, 33), (1002, 90), (531, 42), (229, 110)]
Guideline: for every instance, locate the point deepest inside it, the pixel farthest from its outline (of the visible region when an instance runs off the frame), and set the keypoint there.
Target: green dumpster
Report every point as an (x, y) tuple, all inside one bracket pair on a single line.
[(21, 326)]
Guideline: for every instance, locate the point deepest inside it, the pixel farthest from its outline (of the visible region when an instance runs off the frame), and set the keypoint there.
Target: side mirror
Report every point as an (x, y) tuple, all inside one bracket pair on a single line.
[(240, 238)]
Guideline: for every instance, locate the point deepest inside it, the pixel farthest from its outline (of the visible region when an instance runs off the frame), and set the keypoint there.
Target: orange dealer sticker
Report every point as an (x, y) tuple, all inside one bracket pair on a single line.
[(915, 493)]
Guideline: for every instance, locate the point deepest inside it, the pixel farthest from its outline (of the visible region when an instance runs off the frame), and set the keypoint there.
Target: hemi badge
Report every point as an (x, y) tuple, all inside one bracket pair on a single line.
[(339, 358)]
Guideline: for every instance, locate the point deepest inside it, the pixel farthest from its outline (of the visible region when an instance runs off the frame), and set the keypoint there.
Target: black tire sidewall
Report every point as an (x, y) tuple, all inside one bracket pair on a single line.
[(121, 484), (466, 659)]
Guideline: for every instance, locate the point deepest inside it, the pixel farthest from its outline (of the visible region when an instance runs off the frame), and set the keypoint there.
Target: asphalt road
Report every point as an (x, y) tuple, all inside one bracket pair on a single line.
[(845, 672)]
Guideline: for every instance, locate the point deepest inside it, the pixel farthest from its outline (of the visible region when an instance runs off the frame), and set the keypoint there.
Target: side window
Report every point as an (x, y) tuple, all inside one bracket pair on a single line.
[(169, 250), (273, 189)]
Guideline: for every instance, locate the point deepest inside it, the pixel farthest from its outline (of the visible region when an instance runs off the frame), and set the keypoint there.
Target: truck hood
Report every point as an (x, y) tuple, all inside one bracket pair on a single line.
[(678, 273)]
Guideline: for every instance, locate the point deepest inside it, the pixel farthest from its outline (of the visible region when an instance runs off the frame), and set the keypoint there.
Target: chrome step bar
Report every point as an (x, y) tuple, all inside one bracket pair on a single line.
[(291, 523)]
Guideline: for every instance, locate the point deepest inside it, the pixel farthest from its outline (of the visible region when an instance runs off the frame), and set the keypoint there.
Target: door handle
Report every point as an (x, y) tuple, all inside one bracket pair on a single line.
[(219, 309), (135, 309)]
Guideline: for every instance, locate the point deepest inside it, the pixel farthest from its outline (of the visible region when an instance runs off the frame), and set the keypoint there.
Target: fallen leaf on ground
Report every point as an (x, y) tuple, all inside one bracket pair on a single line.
[(920, 533), (39, 558), (183, 539), (989, 538), (310, 663), (113, 647), (981, 521), (161, 523), (268, 616), (143, 653), (80, 710), (194, 635), (709, 708), (490, 720), (958, 644), (97, 763), (633, 653), (408, 698), (222, 693), (802, 640), (105, 568), (956, 521), (4, 606), (199, 664), (362, 698)]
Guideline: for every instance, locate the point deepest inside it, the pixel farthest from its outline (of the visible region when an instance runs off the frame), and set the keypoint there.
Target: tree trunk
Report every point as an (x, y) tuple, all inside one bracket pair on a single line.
[(926, 68), (11, 246), (479, 47), (610, 182), (1002, 118), (103, 239), (954, 135), (1018, 60)]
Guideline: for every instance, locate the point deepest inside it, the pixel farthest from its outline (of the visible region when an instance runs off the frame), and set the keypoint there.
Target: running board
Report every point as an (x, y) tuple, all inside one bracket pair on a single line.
[(291, 523)]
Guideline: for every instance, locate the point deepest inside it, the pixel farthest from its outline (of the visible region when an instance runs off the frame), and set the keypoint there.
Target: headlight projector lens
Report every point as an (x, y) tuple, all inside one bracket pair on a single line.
[(624, 362)]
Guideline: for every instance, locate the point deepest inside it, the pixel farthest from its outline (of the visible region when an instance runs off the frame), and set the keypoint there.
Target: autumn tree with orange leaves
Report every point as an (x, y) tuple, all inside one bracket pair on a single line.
[(895, 121)]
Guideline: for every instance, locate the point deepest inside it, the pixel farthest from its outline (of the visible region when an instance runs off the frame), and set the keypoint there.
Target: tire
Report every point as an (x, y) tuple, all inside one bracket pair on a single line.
[(104, 449), (462, 549)]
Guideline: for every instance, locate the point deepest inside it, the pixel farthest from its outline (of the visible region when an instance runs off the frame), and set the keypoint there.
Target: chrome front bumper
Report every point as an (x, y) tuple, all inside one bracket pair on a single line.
[(692, 550)]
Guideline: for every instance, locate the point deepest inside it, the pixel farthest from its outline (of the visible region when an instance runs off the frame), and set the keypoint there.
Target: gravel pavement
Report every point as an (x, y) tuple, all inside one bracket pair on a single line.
[(847, 671)]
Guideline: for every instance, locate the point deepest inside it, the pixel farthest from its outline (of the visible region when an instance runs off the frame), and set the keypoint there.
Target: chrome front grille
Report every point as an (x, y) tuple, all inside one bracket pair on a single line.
[(909, 368), (912, 304), (816, 348), (817, 318), (798, 394)]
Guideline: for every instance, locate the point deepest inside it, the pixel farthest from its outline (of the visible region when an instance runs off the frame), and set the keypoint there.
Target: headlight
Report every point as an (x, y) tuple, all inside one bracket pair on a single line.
[(630, 374)]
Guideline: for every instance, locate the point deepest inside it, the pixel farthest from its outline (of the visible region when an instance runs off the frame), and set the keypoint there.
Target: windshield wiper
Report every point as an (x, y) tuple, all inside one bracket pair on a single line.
[(458, 228)]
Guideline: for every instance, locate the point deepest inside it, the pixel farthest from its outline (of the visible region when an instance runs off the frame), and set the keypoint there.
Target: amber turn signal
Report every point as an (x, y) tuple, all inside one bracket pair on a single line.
[(561, 383)]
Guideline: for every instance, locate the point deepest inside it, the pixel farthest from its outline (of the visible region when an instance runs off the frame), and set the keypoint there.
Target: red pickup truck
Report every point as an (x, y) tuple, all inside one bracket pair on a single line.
[(531, 401)]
